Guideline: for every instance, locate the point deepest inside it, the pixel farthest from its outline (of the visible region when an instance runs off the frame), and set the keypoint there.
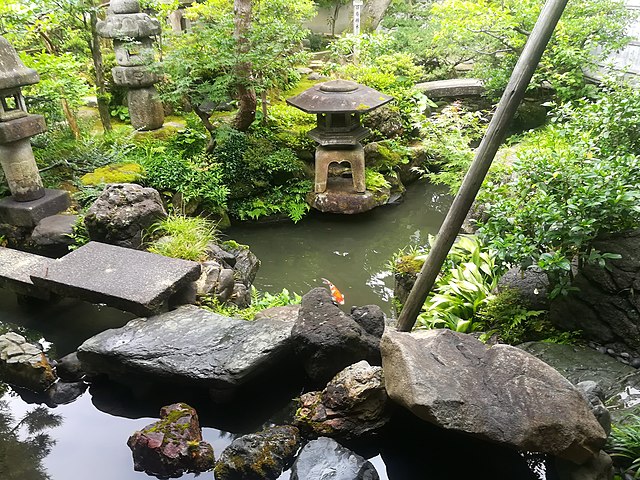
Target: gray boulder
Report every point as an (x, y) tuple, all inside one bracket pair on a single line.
[(594, 396), (498, 393), (600, 467), (61, 393), (606, 308), (371, 318), (215, 280), (532, 286), (69, 368), (385, 122), (353, 403), (189, 346), (259, 456), (327, 340), (287, 313), (54, 234), (246, 266), (217, 253), (241, 295), (24, 364), (121, 214), (325, 458)]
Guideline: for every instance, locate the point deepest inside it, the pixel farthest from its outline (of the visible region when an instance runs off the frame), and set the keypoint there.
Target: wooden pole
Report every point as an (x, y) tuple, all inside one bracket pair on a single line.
[(493, 138)]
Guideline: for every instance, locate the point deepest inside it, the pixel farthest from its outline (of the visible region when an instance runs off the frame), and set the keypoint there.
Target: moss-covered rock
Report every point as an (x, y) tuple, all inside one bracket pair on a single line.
[(120, 173)]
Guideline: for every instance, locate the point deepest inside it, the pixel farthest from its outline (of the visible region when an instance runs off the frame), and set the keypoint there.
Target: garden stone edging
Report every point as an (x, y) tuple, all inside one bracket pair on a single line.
[(498, 393)]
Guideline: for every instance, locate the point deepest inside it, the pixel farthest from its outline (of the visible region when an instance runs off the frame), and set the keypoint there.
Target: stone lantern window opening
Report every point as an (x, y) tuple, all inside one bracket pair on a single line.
[(12, 104)]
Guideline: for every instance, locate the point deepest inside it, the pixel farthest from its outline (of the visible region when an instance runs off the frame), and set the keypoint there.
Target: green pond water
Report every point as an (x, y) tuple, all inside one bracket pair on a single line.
[(350, 251)]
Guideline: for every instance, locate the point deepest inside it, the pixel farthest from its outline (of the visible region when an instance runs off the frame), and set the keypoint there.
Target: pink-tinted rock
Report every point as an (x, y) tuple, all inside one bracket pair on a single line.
[(173, 445)]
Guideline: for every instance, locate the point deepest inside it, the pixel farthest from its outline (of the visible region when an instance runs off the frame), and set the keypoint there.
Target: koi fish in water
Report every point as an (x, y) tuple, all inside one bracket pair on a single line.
[(336, 295)]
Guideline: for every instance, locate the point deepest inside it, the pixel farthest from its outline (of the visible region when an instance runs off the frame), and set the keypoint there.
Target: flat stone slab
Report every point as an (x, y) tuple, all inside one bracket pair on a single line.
[(456, 87), (28, 214), (189, 346), (16, 268), (131, 280)]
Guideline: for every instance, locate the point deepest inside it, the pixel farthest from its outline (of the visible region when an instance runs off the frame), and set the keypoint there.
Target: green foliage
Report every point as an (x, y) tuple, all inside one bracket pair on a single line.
[(288, 199), (259, 301), (623, 445), (198, 178), (463, 288), (493, 33), (447, 139), (179, 236), (79, 235), (120, 112), (505, 316), (375, 181), (568, 185)]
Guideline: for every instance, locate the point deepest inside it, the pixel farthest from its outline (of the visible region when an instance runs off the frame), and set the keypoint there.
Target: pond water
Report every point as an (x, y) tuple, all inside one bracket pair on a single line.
[(352, 252)]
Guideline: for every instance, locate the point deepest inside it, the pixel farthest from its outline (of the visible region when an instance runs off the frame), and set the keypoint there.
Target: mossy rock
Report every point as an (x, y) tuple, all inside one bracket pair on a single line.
[(120, 173)]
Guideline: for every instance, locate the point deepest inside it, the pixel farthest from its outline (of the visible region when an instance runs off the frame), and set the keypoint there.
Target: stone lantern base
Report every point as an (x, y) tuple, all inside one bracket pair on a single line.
[(340, 197), (325, 156), (28, 214)]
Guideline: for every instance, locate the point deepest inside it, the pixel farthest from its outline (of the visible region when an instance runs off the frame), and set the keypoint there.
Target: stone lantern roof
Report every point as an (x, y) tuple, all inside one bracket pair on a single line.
[(13, 73), (339, 96)]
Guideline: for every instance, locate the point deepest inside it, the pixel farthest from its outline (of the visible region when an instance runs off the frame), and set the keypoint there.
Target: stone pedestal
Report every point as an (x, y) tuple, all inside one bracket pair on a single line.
[(28, 214), (325, 156), (21, 171), (145, 108), (340, 197)]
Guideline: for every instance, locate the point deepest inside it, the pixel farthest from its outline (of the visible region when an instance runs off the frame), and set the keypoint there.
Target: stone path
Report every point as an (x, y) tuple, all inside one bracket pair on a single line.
[(16, 268), (131, 280)]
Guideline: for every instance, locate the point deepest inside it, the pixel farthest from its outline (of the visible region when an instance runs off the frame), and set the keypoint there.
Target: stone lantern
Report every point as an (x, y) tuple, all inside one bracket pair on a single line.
[(131, 32), (29, 201), (338, 105)]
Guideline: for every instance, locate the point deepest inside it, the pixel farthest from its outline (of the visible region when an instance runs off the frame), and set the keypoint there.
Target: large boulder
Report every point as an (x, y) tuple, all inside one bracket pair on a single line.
[(531, 285), (24, 364), (259, 456), (246, 265), (385, 122), (121, 214), (189, 346), (353, 403), (498, 393), (173, 445), (606, 308), (325, 458), (327, 340)]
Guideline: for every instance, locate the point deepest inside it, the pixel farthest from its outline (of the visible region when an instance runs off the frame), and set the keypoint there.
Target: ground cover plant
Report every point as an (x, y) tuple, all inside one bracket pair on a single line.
[(624, 446)]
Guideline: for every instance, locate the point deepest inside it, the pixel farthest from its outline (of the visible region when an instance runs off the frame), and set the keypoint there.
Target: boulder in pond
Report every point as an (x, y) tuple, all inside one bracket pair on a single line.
[(327, 340), (121, 214), (24, 364), (353, 403), (259, 456), (498, 393), (190, 346), (246, 265), (325, 458), (173, 445)]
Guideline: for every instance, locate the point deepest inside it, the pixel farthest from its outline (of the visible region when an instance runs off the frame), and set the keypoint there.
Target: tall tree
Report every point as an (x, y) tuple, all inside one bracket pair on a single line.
[(246, 91)]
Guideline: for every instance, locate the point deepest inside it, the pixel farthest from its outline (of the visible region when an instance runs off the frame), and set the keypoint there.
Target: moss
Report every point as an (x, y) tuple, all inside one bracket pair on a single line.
[(121, 173), (409, 264), (233, 245)]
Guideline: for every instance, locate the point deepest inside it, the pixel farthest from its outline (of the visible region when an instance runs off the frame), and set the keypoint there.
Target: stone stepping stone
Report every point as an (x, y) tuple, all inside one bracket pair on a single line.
[(16, 268), (127, 279), (456, 87)]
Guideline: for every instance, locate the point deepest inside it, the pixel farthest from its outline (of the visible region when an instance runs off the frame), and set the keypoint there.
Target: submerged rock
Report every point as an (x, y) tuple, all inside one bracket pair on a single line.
[(24, 364), (259, 456), (189, 346), (353, 403), (325, 458), (327, 340), (173, 445), (498, 393)]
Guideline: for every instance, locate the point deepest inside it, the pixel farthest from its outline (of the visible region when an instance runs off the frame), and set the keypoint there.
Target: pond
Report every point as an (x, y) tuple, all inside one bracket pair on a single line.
[(352, 252)]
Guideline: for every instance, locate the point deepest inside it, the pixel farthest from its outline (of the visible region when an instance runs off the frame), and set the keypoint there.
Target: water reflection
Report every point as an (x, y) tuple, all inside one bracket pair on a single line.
[(25, 440)]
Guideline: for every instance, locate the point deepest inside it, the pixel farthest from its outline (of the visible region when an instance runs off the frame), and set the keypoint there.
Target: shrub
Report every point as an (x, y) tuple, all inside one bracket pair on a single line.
[(259, 301), (567, 186), (179, 236), (624, 445)]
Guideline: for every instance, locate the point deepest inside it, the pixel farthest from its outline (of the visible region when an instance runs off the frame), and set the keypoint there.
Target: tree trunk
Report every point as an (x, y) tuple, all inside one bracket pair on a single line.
[(263, 102), (71, 118), (204, 118), (101, 90), (247, 101), (375, 11)]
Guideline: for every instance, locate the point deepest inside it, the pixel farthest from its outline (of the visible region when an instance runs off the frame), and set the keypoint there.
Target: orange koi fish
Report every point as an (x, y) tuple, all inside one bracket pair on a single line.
[(335, 293)]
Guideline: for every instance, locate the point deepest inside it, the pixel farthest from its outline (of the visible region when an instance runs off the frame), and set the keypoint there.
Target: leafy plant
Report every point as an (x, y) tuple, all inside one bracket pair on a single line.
[(623, 445), (120, 112), (179, 236), (567, 185), (259, 301), (375, 181), (463, 288), (79, 235), (288, 199)]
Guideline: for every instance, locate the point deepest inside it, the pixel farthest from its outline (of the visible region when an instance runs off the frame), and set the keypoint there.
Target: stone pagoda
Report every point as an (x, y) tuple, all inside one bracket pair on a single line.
[(29, 201), (131, 32), (338, 106)]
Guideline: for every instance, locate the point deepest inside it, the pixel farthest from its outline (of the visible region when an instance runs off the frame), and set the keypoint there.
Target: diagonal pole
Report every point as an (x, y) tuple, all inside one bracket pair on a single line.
[(493, 138)]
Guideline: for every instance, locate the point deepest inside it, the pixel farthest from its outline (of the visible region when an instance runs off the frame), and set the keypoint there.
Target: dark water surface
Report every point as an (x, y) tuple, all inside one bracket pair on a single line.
[(352, 252)]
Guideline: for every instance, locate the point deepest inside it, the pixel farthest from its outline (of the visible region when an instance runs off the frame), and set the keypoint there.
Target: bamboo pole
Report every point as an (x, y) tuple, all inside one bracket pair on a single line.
[(493, 138)]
